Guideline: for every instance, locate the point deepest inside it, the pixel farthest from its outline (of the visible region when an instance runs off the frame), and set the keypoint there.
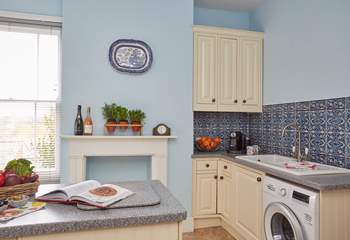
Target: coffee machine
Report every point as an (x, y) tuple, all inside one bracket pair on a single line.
[(238, 143)]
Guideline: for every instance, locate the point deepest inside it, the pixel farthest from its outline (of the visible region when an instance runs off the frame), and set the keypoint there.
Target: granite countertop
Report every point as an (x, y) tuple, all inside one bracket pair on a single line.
[(56, 218), (317, 182)]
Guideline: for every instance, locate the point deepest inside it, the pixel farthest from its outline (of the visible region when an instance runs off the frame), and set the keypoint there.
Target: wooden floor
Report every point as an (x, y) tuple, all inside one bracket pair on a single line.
[(214, 233)]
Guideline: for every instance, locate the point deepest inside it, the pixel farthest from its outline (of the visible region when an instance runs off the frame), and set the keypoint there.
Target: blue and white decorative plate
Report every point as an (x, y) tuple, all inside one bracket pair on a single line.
[(132, 56)]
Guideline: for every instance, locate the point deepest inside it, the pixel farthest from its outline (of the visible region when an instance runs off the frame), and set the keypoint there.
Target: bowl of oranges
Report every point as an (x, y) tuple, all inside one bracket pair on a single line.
[(208, 144)]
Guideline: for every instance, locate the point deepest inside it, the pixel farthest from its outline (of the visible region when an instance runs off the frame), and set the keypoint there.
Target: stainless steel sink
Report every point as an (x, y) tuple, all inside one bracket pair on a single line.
[(290, 165)]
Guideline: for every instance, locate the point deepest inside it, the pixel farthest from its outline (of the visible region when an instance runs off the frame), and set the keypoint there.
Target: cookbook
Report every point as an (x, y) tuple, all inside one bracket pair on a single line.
[(89, 192)]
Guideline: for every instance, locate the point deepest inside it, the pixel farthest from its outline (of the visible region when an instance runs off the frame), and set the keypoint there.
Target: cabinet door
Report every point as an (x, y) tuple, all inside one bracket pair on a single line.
[(250, 76), (248, 203), (227, 73), (226, 195), (206, 186), (205, 61)]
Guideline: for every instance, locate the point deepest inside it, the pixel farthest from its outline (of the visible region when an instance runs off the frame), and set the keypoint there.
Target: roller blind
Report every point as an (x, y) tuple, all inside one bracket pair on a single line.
[(30, 66)]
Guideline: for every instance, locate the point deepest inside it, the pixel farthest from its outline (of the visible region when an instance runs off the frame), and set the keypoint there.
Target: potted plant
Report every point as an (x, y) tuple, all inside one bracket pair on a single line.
[(109, 114), (136, 117), (122, 116)]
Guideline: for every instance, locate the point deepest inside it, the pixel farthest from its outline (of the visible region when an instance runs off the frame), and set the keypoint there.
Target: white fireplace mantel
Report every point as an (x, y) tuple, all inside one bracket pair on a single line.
[(81, 147)]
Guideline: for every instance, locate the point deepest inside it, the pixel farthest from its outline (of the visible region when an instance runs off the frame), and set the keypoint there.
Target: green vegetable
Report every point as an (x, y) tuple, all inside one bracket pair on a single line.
[(21, 167)]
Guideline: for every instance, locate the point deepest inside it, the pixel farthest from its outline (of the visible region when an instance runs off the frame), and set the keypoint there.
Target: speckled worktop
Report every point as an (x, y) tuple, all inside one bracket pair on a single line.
[(317, 182), (56, 218)]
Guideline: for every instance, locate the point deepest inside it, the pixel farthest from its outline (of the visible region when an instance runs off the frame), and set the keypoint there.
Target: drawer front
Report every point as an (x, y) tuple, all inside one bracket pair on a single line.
[(206, 165), (226, 167)]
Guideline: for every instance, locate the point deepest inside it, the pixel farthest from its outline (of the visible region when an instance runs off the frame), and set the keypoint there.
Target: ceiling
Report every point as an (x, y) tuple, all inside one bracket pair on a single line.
[(230, 5)]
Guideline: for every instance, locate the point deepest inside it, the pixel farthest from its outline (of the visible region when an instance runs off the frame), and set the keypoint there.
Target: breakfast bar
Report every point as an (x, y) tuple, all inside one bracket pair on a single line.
[(57, 221)]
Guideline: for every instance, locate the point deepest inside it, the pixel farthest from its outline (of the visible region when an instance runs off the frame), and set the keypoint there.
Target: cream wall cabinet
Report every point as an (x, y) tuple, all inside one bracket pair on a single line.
[(227, 70)]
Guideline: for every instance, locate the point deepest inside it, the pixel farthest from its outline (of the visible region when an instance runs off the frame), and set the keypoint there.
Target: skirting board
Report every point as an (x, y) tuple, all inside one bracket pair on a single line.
[(187, 225)]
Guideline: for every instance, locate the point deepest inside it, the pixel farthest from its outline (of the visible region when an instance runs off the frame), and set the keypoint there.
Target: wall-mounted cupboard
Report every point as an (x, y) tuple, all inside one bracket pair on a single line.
[(227, 70)]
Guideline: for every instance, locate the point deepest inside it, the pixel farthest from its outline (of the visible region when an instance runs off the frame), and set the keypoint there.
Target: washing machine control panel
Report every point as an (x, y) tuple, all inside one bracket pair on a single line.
[(283, 192)]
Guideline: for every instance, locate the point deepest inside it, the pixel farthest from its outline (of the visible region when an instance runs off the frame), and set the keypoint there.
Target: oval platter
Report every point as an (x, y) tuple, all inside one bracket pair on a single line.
[(131, 56)]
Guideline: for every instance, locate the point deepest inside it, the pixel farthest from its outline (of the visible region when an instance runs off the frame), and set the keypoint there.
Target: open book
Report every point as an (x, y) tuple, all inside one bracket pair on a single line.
[(88, 192)]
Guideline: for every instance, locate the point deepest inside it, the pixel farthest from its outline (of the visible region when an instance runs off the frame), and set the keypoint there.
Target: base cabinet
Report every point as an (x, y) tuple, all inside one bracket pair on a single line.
[(171, 231), (248, 203), (225, 192), (206, 188), (231, 192)]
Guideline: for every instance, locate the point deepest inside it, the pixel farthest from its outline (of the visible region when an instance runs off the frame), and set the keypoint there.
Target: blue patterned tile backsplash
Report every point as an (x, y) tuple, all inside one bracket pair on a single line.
[(324, 124), (218, 124)]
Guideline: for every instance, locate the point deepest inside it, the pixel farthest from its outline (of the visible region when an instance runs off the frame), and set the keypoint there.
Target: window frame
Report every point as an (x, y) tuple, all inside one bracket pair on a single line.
[(31, 20)]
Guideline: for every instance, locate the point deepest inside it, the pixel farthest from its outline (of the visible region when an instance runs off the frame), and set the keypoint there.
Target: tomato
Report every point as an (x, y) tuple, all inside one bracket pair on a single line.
[(2, 180)]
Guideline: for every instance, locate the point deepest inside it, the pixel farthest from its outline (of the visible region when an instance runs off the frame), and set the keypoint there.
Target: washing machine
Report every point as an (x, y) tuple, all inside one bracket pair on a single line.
[(291, 212)]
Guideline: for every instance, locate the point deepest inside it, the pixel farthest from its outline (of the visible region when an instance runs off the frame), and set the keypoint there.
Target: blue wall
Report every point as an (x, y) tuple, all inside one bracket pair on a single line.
[(221, 18), (164, 92), (307, 51), (44, 7)]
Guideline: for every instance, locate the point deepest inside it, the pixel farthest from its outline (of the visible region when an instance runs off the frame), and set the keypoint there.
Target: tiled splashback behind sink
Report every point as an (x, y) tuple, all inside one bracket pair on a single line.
[(325, 128)]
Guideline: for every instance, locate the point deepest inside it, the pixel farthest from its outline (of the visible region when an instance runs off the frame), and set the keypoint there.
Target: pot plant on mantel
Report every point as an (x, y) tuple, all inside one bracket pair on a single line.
[(122, 116), (136, 118), (109, 112)]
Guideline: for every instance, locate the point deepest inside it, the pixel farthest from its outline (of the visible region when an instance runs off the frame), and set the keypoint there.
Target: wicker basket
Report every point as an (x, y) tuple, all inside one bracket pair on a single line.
[(27, 189)]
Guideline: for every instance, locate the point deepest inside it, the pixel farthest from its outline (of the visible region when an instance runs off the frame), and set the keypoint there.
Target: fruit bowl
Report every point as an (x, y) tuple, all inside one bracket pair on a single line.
[(208, 144)]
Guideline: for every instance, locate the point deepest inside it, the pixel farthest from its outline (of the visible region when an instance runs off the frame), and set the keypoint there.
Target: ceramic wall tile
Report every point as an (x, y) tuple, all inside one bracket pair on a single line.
[(336, 120), (335, 160), (347, 102), (336, 144), (302, 106), (335, 103), (324, 124), (318, 105), (288, 117), (318, 121), (318, 142), (303, 120)]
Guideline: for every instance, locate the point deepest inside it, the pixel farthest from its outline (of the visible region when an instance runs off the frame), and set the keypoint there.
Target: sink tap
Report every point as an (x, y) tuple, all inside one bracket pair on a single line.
[(297, 152)]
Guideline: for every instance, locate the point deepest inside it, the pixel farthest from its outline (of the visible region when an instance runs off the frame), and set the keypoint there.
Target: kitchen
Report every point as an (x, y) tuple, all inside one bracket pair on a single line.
[(289, 81)]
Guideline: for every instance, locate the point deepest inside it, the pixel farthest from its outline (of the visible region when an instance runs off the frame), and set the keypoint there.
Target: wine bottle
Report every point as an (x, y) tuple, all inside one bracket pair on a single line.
[(88, 125), (79, 125)]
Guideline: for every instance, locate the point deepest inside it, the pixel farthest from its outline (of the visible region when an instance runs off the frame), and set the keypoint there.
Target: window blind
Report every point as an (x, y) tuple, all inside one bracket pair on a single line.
[(30, 96)]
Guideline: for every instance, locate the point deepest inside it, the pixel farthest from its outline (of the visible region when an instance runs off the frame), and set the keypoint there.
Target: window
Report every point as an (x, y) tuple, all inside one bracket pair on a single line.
[(30, 95)]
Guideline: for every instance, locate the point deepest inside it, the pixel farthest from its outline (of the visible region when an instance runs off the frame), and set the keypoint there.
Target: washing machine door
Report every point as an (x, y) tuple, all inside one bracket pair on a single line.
[(281, 223)]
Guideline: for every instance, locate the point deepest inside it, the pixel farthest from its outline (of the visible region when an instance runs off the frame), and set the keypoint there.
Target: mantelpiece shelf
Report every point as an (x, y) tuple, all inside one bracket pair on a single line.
[(116, 137)]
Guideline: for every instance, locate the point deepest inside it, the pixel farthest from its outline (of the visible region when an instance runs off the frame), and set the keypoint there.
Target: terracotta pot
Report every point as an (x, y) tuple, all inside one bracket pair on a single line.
[(111, 129), (136, 128), (124, 123)]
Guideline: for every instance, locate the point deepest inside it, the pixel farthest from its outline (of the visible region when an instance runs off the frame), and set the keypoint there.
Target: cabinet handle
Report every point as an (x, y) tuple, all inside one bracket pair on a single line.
[(244, 101), (258, 179), (207, 165), (213, 100), (236, 101), (215, 177), (225, 167), (221, 177)]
